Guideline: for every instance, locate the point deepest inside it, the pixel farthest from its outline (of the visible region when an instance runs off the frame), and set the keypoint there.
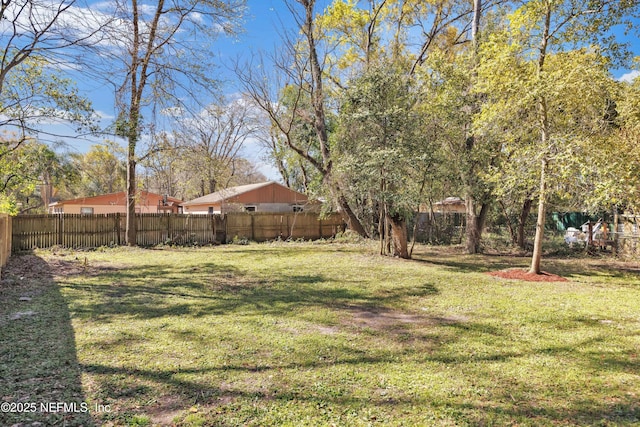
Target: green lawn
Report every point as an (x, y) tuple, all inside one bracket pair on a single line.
[(317, 335)]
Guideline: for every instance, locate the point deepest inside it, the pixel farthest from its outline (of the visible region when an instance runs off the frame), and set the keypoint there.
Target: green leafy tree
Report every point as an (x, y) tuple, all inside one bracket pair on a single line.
[(101, 170), (32, 94), (33, 91), (614, 178), (382, 151), (295, 167), (29, 174), (401, 31), (548, 74), (364, 33)]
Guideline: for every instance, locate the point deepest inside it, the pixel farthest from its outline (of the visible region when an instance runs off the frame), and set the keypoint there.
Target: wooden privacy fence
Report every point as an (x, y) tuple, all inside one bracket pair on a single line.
[(5, 239), (90, 231)]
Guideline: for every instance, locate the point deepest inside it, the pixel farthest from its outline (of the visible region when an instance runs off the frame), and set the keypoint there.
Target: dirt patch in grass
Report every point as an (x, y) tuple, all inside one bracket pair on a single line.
[(520, 274), (80, 266), (390, 320), (166, 410)]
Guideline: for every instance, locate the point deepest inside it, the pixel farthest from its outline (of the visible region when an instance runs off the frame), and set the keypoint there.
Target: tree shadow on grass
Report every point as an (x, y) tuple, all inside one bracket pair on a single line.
[(154, 291), (151, 291), (507, 401), (472, 263), (38, 362), (570, 268)]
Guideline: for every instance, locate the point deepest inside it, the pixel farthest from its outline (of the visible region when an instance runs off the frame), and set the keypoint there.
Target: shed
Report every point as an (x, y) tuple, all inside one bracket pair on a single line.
[(267, 196), (450, 205)]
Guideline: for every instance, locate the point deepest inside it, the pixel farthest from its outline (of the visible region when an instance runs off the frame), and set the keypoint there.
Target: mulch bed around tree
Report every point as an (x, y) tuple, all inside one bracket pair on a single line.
[(520, 274)]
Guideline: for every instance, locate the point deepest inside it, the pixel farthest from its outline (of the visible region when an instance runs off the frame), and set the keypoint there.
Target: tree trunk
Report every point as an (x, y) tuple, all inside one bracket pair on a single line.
[(543, 112), (472, 237), (475, 225), (399, 236), (131, 232), (475, 25), (349, 216), (514, 237), (537, 242), (381, 230), (522, 222), (320, 123)]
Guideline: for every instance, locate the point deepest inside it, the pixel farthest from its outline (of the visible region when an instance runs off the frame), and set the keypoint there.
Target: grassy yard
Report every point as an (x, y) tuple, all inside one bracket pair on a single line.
[(316, 335)]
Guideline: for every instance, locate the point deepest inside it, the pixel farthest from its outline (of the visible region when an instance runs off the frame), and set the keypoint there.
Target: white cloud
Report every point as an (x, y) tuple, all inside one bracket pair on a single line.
[(103, 115), (629, 77), (173, 112)]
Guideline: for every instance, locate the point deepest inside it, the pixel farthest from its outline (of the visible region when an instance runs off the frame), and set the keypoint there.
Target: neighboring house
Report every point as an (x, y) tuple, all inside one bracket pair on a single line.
[(263, 197), (116, 203)]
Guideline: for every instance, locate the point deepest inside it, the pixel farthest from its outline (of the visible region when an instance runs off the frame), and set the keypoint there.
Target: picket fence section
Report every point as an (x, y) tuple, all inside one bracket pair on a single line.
[(91, 231)]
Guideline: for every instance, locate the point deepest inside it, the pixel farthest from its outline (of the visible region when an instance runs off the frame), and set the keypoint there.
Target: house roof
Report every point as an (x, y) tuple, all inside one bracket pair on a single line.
[(107, 199), (228, 193), (450, 201)]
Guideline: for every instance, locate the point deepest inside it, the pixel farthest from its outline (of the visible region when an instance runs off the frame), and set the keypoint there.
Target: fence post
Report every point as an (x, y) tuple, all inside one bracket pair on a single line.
[(117, 219), (60, 224), (226, 228), (252, 228), (616, 222), (169, 227), (5, 239), (9, 242)]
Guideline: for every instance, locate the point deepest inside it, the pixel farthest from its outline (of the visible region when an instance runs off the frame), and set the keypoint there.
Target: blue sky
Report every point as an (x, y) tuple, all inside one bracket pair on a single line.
[(263, 22), (260, 33), (264, 19)]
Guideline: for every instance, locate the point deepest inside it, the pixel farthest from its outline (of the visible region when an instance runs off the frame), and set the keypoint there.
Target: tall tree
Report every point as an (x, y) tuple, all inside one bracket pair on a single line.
[(553, 52), (408, 33), (213, 140), (475, 200), (203, 152), (160, 55), (301, 73), (383, 151)]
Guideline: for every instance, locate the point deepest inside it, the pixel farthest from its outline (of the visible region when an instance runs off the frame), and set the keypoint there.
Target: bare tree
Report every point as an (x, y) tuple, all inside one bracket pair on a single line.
[(159, 58), (213, 140), (299, 71), (36, 41)]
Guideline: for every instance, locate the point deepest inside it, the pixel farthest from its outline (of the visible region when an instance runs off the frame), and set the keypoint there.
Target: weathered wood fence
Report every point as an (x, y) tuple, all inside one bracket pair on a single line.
[(89, 231), (5, 239)]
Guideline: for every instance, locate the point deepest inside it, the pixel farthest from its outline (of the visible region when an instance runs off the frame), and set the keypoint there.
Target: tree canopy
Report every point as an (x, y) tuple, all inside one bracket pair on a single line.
[(381, 107)]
